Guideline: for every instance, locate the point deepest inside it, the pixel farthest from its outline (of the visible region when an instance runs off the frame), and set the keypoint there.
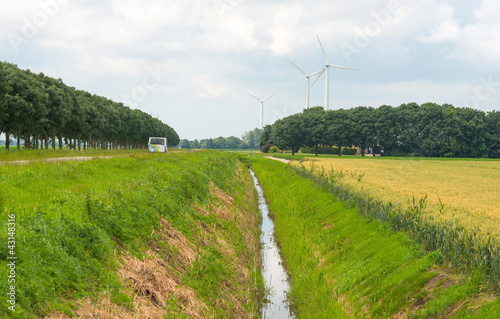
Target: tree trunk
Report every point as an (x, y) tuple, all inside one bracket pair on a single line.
[(60, 141), (79, 142), (7, 140), (65, 139), (18, 139), (316, 150), (46, 142), (293, 151), (36, 141), (340, 151), (53, 139), (27, 141)]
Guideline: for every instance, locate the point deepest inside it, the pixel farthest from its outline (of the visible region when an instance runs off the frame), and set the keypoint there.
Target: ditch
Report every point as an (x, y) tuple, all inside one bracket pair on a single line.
[(273, 272)]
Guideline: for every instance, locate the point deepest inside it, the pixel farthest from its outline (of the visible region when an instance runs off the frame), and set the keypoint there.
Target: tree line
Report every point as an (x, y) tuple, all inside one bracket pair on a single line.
[(249, 140), (39, 109), (428, 130)]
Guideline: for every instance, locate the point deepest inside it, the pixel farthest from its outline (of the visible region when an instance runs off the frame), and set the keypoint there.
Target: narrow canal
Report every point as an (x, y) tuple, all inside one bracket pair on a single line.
[(274, 274)]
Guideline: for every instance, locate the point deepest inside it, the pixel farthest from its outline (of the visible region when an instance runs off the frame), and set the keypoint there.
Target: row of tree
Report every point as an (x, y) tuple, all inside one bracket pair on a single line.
[(249, 140), (429, 130), (38, 109)]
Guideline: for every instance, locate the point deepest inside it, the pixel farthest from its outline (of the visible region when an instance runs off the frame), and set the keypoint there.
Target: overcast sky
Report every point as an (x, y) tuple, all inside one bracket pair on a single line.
[(191, 63)]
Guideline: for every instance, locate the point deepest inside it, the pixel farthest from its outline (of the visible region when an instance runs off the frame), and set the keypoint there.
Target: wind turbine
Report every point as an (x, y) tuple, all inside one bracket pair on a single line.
[(320, 72), (261, 107), (327, 79)]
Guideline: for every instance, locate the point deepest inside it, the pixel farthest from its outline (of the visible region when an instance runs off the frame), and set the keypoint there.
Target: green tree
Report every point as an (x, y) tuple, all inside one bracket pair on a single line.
[(21, 99), (3, 91), (232, 142), (363, 129), (315, 126), (475, 133), (266, 136), (290, 132), (493, 134), (339, 129), (185, 144), (209, 144), (195, 144), (252, 138)]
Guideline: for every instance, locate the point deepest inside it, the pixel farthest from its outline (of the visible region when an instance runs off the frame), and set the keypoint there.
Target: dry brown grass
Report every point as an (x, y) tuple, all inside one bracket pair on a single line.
[(155, 283), (151, 283)]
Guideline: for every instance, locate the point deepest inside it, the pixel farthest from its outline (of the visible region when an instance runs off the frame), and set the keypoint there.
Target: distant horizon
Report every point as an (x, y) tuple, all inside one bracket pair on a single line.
[(13, 140), (192, 64)]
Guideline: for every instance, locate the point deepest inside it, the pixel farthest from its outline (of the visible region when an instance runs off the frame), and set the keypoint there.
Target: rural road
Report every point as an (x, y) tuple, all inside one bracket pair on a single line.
[(278, 159)]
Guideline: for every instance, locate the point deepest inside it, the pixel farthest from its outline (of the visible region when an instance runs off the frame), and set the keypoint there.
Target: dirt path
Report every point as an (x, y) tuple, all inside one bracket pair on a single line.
[(278, 159), (56, 159)]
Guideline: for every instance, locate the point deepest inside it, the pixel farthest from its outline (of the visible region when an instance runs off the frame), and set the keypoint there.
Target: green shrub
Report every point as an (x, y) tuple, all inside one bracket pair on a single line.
[(273, 149), (266, 148), (329, 150)]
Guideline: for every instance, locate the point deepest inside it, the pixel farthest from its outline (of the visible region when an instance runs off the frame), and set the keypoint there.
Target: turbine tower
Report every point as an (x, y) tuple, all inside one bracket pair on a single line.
[(327, 79), (261, 107), (320, 72)]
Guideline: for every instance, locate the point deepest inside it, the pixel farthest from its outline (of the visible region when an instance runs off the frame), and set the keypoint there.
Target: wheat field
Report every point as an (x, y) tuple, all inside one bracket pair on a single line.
[(456, 190)]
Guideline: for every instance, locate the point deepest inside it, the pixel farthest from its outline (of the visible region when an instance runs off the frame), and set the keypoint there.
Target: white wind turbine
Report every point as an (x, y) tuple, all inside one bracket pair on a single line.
[(320, 72), (261, 107), (327, 80)]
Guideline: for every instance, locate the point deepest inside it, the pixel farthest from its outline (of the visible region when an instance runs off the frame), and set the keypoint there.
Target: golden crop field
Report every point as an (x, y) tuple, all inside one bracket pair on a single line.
[(469, 190)]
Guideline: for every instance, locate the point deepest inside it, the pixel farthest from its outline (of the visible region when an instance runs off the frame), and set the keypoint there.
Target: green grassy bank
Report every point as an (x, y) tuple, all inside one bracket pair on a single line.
[(343, 265), (147, 235)]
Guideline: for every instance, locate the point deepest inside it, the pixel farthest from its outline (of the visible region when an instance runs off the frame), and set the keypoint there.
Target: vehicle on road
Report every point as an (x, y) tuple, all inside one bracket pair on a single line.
[(157, 145)]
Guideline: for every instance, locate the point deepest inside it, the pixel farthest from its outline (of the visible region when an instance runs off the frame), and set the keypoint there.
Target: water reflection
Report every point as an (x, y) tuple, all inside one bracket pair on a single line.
[(274, 274)]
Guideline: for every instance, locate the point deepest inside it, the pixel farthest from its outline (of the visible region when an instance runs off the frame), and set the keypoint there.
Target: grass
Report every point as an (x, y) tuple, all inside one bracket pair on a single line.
[(469, 242), (343, 265), (114, 229)]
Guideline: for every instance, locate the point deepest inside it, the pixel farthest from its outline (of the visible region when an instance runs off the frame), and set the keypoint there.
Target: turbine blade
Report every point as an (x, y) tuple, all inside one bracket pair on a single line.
[(341, 67), (295, 65), (322, 49), (317, 78), (317, 72), (254, 96), (267, 98)]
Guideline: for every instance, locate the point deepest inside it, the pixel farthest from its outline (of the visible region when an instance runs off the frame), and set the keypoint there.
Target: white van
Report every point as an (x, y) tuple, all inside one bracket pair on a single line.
[(157, 145)]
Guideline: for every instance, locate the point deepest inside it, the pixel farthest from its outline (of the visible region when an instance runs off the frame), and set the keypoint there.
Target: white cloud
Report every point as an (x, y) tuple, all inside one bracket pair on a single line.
[(206, 88), (480, 42), (217, 50), (286, 32), (488, 12), (445, 30), (227, 32)]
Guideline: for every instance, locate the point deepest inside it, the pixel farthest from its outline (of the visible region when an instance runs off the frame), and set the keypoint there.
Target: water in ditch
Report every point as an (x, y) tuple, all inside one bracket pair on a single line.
[(275, 277)]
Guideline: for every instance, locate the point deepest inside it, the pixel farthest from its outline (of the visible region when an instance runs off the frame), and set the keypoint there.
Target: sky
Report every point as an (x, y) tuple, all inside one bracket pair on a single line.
[(192, 63)]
